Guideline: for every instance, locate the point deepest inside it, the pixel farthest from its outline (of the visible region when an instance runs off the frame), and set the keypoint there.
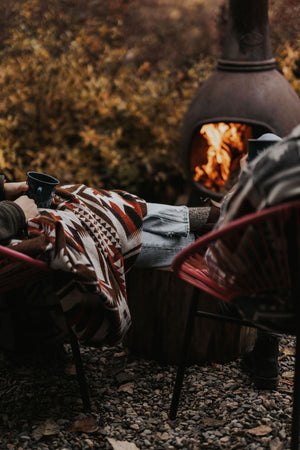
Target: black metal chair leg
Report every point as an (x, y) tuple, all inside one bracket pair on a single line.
[(184, 354), (294, 263), (295, 444), (83, 386)]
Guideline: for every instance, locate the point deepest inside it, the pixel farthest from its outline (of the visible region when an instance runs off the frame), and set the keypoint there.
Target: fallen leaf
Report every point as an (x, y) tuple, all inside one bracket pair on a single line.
[(122, 445), (290, 383), (48, 428), (120, 354), (209, 422), (289, 374), (86, 425), (289, 351), (128, 387), (262, 430), (89, 443)]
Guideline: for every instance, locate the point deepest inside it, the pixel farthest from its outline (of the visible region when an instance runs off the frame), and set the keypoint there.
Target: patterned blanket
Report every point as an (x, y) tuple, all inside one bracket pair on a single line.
[(92, 238)]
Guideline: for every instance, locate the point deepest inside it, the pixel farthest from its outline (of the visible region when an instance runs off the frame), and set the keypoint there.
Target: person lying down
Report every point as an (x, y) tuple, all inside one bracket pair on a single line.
[(93, 237)]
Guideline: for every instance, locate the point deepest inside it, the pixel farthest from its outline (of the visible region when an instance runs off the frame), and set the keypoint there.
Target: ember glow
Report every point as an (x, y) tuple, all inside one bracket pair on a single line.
[(223, 144)]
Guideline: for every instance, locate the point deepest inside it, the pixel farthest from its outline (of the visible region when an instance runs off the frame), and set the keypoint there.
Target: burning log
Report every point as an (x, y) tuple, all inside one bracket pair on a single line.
[(218, 153)]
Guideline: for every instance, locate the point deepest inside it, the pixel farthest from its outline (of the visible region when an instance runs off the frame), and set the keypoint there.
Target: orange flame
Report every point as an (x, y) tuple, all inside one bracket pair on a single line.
[(224, 143)]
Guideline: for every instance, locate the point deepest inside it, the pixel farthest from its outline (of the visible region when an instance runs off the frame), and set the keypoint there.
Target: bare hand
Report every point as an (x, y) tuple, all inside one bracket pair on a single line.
[(14, 190), (28, 206)]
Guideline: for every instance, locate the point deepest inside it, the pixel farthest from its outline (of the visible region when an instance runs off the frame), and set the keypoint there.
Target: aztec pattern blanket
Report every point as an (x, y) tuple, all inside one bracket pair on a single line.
[(92, 238)]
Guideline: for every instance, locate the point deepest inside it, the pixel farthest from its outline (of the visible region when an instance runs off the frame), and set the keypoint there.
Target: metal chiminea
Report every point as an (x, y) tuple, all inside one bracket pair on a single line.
[(244, 97)]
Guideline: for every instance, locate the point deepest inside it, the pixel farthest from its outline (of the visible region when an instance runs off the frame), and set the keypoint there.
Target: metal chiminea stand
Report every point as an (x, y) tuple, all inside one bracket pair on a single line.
[(245, 87)]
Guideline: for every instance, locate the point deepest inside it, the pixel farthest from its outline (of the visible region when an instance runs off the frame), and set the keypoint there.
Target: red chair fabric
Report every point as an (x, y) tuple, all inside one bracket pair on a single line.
[(252, 263), (250, 257), (17, 269)]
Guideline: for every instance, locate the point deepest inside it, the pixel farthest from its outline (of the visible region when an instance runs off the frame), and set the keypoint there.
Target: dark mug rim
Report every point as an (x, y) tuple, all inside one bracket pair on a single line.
[(263, 141), (257, 146), (49, 179)]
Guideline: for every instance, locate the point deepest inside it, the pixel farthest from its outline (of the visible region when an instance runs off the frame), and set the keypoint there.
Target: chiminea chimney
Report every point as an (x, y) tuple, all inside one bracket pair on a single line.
[(247, 37), (245, 87)]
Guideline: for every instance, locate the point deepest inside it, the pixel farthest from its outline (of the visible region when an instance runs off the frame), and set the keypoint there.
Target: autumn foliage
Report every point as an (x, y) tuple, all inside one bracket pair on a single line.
[(95, 91)]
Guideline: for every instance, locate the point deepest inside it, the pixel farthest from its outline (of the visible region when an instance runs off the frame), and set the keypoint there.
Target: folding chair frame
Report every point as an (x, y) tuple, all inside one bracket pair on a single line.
[(200, 280), (21, 269)]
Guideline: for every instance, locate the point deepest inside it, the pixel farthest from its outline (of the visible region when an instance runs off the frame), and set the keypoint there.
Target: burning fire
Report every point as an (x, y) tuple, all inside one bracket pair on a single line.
[(225, 143)]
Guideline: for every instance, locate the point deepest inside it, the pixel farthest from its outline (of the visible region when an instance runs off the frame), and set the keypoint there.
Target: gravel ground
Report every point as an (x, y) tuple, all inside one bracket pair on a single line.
[(41, 407)]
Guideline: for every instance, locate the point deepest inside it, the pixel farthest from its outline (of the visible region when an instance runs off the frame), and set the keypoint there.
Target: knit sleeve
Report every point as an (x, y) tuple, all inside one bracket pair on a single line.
[(2, 192), (12, 220)]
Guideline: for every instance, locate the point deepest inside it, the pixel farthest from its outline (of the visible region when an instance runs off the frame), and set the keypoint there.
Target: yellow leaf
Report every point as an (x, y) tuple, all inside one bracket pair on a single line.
[(261, 430)]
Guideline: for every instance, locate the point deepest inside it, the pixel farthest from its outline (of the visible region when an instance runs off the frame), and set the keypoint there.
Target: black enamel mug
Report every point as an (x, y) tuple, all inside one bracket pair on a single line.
[(41, 188)]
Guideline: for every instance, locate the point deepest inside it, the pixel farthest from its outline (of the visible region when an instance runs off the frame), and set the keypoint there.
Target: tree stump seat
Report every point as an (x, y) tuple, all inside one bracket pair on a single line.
[(159, 302)]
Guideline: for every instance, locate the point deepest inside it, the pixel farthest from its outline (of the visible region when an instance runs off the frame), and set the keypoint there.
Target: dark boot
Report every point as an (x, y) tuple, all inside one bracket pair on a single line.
[(261, 362)]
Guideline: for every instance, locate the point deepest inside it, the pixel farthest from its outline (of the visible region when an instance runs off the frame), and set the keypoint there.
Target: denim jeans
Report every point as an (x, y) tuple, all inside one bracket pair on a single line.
[(166, 231)]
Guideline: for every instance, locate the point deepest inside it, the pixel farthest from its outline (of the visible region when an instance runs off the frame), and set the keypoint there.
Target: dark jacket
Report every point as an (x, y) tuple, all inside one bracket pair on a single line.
[(12, 218)]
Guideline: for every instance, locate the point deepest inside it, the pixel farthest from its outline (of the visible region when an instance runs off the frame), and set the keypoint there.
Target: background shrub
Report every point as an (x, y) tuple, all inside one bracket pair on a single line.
[(95, 92)]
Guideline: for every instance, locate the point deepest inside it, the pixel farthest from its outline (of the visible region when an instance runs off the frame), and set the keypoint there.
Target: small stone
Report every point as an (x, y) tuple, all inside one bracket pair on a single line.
[(165, 436)]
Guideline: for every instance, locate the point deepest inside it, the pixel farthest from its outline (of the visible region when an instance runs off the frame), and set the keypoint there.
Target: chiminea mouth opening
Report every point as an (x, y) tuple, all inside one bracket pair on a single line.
[(216, 153)]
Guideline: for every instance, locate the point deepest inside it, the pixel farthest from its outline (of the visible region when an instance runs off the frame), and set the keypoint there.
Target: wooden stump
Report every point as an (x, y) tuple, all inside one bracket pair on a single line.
[(159, 302)]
